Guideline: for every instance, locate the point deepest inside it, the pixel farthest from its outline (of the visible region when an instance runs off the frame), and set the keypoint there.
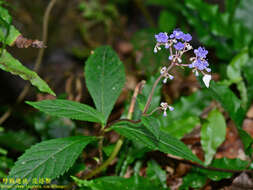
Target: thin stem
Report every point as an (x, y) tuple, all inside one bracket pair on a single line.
[(210, 167), (121, 139), (153, 111), (153, 89)]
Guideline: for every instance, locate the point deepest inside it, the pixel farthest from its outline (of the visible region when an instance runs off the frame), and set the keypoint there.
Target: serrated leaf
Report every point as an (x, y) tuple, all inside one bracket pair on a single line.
[(213, 133), (165, 143), (69, 109), (116, 182), (12, 65), (49, 159), (105, 78)]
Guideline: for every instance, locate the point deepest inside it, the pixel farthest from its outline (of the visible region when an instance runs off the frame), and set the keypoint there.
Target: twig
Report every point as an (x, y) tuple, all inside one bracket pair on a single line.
[(38, 60), (121, 139)]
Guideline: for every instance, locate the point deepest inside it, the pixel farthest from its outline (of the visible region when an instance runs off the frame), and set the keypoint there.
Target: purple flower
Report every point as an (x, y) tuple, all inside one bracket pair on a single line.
[(200, 64), (179, 46), (201, 52), (178, 34), (162, 37), (186, 37)]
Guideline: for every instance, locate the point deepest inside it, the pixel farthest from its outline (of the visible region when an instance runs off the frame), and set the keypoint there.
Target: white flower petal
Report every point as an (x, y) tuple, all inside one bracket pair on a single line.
[(206, 79)]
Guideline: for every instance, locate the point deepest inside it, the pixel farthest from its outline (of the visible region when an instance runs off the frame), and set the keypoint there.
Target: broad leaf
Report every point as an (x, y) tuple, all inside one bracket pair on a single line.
[(105, 78), (213, 133), (115, 182), (69, 109), (152, 124), (12, 65), (49, 159), (165, 143)]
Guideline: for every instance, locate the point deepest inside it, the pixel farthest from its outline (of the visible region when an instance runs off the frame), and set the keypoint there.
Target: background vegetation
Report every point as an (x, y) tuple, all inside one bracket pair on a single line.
[(215, 123)]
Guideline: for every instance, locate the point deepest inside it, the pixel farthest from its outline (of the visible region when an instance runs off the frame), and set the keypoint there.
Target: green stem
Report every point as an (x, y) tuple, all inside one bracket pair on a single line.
[(121, 139), (108, 161)]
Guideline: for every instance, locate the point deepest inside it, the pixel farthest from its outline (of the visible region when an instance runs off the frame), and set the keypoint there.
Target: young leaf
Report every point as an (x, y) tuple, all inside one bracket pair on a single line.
[(165, 143), (116, 182), (49, 159), (213, 133), (105, 78), (69, 109), (8, 33), (12, 65)]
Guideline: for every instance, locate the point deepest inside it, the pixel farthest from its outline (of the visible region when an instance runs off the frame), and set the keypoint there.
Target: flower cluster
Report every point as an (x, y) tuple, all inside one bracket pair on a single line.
[(178, 43), (164, 107)]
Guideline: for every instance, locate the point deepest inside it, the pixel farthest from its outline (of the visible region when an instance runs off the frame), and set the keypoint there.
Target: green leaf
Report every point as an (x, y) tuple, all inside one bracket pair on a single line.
[(9, 38), (165, 143), (156, 174), (105, 78), (69, 109), (115, 182), (224, 163), (235, 76), (186, 114), (167, 21), (12, 65), (18, 140), (49, 159), (228, 100), (193, 180), (213, 133), (152, 124)]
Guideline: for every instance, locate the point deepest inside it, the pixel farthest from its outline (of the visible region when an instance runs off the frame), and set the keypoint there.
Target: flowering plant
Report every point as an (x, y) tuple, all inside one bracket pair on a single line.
[(178, 43)]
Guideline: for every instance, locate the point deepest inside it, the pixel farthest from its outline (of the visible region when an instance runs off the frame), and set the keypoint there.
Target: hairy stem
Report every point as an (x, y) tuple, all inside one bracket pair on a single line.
[(153, 90), (121, 139)]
